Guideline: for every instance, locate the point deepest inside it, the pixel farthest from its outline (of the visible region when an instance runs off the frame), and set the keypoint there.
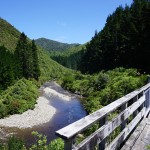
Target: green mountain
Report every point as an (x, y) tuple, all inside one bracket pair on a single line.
[(68, 55), (51, 45), (18, 86), (9, 37)]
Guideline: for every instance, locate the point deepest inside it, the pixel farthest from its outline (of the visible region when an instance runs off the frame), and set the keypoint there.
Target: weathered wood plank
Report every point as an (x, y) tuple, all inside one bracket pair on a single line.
[(147, 102), (123, 135), (147, 112), (135, 135), (84, 123), (123, 124), (143, 140), (134, 100), (99, 135)]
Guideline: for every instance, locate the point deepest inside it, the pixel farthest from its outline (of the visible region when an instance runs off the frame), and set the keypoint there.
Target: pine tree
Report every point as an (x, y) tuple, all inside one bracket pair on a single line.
[(27, 59), (6, 68), (35, 69), (21, 56)]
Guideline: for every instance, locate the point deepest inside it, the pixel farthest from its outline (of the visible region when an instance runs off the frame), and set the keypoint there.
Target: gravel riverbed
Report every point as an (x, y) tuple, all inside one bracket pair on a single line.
[(43, 111)]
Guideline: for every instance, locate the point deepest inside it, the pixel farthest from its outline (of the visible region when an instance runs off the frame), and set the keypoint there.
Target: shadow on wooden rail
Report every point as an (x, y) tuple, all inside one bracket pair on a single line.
[(131, 109)]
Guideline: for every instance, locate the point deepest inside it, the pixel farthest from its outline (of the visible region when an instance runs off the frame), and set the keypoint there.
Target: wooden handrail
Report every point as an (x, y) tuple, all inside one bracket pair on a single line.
[(69, 132)]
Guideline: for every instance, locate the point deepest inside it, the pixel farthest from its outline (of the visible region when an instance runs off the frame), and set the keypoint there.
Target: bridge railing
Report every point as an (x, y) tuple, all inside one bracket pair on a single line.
[(135, 104)]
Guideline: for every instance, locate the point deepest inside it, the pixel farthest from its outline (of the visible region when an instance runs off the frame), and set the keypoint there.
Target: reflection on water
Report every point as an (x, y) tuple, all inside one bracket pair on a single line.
[(67, 112)]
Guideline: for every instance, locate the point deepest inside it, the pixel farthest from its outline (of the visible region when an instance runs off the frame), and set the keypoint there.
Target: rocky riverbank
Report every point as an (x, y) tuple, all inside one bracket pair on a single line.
[(43, 111)]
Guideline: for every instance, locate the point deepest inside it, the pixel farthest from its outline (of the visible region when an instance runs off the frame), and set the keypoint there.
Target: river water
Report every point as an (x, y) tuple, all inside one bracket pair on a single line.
[(67, 112)]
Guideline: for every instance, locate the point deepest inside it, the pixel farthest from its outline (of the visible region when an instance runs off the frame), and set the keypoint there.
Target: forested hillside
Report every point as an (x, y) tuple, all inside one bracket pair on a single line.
[(123, 42), (11, 40), (69, 58), (51, 45), (8, 35), (68, 55), (24, 66)]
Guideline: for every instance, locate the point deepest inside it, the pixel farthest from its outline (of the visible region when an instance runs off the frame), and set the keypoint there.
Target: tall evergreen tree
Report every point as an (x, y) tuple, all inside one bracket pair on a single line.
[(27, 59), (35, 65), (6, 68), (21, 56)]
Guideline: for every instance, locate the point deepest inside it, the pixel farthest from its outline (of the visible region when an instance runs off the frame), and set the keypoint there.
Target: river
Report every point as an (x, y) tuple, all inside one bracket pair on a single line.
[(66, 112)]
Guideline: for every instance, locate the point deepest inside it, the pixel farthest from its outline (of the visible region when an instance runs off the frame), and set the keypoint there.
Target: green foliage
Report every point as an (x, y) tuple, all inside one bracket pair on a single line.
[(68, 80), (44, 67), (50, 69), (18, 98), (56, 144), (15, 144), (148, 147), (123, 42), (69, 58), (6, 68), (40, 142), (105, 87), (35, 62), (26, 56), (8, 35)]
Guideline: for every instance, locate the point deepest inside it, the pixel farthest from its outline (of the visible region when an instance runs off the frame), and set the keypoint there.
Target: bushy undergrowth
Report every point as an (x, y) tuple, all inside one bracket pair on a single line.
[(105, 87), (18, 98), (98, 90), (40, 143)]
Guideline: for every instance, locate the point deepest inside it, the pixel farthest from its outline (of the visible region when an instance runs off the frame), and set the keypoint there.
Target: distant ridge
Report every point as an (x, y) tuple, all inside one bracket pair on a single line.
[(51, 45)]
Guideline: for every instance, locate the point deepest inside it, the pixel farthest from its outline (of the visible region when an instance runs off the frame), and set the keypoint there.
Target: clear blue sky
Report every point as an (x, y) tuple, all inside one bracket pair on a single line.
[(69, 21)]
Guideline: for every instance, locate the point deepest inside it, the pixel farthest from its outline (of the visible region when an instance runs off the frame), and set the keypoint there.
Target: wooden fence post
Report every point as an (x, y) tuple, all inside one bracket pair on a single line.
[(123, 124), (134, 100), (69, 144), (101, 123)]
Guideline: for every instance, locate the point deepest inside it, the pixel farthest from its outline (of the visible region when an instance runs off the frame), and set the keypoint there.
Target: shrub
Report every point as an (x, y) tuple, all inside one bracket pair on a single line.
[(18, 98)]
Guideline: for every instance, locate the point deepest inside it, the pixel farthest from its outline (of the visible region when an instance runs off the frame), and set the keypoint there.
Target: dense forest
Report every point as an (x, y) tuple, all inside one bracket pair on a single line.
[(123, 42), (23, 63), (69, 58)]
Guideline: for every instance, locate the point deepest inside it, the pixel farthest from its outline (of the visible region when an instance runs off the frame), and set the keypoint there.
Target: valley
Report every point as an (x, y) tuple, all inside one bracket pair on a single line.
[(46, 85)]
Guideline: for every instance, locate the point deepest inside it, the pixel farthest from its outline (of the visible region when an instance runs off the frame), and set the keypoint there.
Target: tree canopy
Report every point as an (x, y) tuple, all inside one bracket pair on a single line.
[(123, 42), (27, 59)]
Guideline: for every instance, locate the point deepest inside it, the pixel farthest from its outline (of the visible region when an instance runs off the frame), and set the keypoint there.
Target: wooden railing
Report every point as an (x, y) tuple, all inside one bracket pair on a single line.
[(131, 109)]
